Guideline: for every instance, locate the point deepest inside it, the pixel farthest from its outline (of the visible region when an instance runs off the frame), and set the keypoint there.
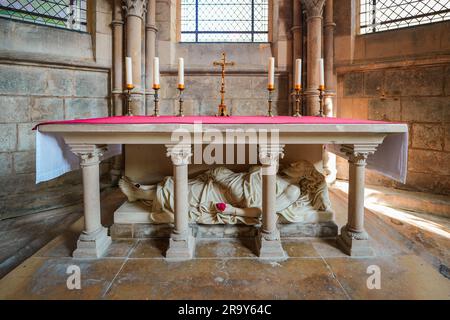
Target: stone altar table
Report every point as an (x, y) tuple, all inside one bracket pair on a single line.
[(357, 140)]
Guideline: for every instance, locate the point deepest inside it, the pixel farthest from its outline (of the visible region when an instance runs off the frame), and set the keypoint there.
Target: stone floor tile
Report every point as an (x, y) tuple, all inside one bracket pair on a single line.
[(225, 279), (225, 248), (150, 248), (402, 277), (46, 278)]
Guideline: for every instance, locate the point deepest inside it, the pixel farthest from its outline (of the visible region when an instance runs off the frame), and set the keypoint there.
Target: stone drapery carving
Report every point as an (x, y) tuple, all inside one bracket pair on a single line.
[(136, 8), (302, 196)]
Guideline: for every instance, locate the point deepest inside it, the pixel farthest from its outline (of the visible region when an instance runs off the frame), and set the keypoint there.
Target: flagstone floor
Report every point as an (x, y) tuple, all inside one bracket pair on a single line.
[(413, 264)]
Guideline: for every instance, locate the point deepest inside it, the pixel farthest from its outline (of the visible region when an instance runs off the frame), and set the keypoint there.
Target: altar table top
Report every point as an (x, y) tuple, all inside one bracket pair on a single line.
[(215, 120), (53, 156)]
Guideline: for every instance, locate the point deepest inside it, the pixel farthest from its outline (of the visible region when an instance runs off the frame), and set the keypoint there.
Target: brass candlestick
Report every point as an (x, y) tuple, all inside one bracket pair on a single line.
[(128, 97), (156, 87), (298, 101), (180, 100), (321, 100), (271, 89)]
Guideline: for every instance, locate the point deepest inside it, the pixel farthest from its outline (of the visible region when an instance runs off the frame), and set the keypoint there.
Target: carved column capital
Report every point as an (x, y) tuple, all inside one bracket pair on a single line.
[(136, 8), (314, 8), (89, 153), (269, 154), (357, 154), (179, 154)]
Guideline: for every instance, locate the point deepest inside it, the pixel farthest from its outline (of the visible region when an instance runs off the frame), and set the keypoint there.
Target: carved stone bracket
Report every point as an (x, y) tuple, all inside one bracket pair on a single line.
[(180, 154), (136, 8), (270, 154), (314, 8), (358, 153), (89, 154)]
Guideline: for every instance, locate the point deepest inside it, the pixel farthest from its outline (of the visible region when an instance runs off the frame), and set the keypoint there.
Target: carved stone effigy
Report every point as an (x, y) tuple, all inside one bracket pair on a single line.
[(221, 196)]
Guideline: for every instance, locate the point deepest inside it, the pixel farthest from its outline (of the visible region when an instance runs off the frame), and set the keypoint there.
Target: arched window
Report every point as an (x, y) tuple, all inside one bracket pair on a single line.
[(382, 15), (70, 14), (224, 20)]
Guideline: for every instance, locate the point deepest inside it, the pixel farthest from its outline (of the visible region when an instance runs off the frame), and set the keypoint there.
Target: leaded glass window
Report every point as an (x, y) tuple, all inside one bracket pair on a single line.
[(382, 15), (70, 14), (224, 20)]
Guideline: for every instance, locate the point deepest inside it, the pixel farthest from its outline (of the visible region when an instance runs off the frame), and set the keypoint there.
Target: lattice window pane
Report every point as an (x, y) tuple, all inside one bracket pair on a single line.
[(382, 15), (224, 20), (70, 14)]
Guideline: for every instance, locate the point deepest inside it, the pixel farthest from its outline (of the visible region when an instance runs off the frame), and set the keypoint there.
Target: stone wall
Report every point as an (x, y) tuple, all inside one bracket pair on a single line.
[(47, 74), (401, 75)]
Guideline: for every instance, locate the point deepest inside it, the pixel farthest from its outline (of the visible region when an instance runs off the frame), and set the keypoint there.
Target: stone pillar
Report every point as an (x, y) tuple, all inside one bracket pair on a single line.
[(150, 50), (135, 11), (94, 239), (268, 240), (353, 239), (182, 242), (297, 40), (314, 9), (118, 83), (329, 159)]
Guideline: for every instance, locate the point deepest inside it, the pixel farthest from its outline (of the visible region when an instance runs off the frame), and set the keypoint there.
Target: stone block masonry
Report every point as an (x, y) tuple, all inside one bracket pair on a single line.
[(30, 94), (417, 95)]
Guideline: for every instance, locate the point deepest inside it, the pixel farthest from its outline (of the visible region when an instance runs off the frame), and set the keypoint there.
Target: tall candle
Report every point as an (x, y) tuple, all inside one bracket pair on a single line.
[(156, 72), (298, 73), (129, 71), (271, 82), (322, 75), (181, 73)]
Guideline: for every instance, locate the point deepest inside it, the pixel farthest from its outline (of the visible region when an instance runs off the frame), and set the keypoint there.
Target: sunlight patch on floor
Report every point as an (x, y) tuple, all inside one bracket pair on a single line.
[(401, 215)]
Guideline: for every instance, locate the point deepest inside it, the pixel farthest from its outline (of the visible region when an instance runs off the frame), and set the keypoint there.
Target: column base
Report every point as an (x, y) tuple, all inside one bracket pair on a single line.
[(269, 246), (92, 245), (180, 248), (354, 244)]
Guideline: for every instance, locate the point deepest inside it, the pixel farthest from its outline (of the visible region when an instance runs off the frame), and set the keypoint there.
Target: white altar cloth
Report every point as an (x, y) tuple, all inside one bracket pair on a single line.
[(54, 158), (390, 159)]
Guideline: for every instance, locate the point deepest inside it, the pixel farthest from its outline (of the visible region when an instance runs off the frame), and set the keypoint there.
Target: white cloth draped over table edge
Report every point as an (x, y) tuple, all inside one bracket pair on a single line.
[(54, 158)]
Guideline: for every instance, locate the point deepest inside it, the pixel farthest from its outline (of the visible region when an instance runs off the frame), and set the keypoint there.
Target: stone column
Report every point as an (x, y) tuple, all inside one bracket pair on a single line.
[(150, 49), (182, 242), (353, 239), (314, 9), (268, 240), (329, 159), (297, 40), (118, 83), (135, 12), (94, 239)]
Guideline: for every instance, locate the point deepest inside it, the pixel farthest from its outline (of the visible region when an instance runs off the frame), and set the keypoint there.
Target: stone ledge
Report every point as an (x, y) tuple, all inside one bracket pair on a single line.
[(291, 230)]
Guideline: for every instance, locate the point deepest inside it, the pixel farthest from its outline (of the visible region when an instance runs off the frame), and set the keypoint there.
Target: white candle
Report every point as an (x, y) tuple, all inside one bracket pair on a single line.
[(298, 73), (129, 71), (322, 74), (155, 72), (180, 73), (271, 82)]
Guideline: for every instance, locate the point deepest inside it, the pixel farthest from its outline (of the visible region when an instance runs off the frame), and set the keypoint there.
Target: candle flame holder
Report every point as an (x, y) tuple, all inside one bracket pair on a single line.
[(321, 100), (270, 89), (128, 98), (298, 100), (181, 100), (156, 87)]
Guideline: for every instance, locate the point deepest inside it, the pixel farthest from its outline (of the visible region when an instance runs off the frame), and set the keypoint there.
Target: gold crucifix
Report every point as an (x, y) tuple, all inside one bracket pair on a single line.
[(222, 107)]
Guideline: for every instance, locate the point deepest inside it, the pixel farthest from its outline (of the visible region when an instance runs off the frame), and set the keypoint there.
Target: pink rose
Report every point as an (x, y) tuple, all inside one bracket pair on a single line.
[(221, 206)]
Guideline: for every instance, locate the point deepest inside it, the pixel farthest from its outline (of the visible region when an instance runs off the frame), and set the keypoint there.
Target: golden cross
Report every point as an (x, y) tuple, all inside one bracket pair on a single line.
[(223, 63)]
